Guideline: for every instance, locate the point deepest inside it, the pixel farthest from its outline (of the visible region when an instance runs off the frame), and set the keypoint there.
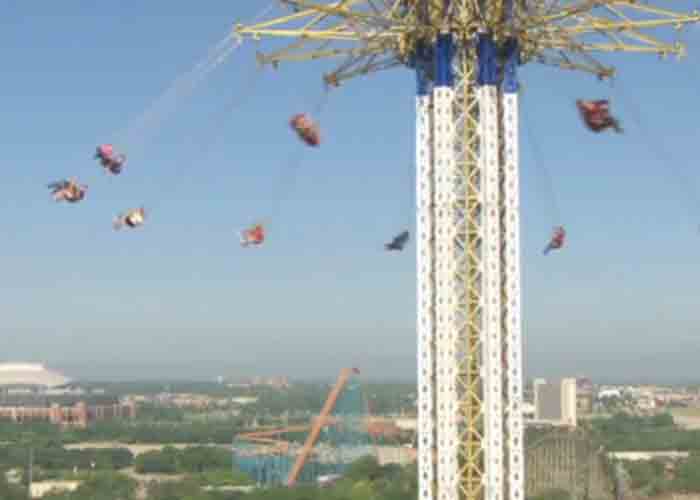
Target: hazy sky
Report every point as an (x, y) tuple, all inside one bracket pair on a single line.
[(621, 299)]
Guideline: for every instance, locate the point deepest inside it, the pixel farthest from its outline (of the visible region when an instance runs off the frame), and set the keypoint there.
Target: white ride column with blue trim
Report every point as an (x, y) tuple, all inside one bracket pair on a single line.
[(489, 162), (445, 262), (425, 264), (512, 327)]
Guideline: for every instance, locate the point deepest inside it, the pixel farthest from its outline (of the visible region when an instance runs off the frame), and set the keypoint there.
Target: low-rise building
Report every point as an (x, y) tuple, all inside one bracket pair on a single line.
[(78, 415)]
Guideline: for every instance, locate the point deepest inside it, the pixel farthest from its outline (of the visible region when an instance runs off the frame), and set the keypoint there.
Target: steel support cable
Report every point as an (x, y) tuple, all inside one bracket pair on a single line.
[(545, 176), (120, 139), (412, 203), (203, 147), (177, 172), (657, 147), (134, 137), (236, 101), (407, 213), (215, 57), (291, 168)]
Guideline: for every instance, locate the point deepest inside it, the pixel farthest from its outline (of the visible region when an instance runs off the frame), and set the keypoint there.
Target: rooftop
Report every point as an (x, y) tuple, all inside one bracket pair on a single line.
[(30, 374)]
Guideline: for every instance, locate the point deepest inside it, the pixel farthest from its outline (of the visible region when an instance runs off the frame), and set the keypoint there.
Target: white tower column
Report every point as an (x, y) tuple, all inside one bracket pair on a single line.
[(489, 159), (512, 324), (425, 265), (445, 259)]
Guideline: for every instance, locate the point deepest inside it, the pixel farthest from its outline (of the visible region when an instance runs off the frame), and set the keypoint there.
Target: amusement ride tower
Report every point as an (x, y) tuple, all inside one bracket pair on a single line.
[(465, 54)]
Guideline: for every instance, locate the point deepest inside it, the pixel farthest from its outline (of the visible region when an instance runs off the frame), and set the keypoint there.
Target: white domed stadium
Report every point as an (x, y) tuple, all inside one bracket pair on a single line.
[(33, 375)]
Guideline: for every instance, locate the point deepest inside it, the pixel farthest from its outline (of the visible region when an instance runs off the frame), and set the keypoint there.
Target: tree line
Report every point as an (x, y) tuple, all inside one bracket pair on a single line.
[(624, 432)]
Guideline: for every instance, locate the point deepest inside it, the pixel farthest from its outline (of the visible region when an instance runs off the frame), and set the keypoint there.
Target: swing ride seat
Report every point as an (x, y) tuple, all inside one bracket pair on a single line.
[(557, 240), (398, 242), (110, 159), (596, 115), (68, 190), (305, 127), (104, 151), (133, 218), (57, 186), (75, 194), (115, 166), (253, 236)]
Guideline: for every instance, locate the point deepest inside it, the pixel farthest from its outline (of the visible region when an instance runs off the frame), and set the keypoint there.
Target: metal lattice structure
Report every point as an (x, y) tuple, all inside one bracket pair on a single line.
[(343, 439), (465, 54)]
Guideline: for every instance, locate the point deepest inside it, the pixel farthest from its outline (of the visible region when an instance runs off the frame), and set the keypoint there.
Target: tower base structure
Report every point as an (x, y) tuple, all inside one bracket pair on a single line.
[(470, 443)]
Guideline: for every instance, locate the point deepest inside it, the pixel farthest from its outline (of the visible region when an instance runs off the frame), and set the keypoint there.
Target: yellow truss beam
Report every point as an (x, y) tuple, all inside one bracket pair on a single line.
[(364, 30)]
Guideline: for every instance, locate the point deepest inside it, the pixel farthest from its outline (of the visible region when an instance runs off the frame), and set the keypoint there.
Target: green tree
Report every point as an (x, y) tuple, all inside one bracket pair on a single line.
[(203, 458), (10, 491), (157, 462), (643, 473), (101, 486), (553, 494), (662, 420), (688, 475), (364, 468), (108, 486)]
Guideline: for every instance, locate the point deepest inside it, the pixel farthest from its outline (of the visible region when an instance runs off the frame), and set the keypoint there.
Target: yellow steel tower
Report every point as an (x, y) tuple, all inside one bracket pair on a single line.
[(465, 54)]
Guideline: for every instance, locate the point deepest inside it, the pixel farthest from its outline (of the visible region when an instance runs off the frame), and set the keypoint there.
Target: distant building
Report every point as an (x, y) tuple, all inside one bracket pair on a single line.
[(555, 402), (28, 377), (584, 396), (569, 401), (584, 384), (78, 415), (608, 393), (26, 389), (528, 410), (328, 479), (646, 402), (243, 400), (584, 402), (279, 382)]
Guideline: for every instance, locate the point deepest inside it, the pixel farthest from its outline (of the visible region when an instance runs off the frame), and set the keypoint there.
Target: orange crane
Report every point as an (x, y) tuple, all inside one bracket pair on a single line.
[(319, 423)]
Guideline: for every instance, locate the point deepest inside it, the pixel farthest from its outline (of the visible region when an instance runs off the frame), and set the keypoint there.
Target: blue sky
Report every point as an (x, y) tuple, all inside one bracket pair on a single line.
[(621, 299)]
